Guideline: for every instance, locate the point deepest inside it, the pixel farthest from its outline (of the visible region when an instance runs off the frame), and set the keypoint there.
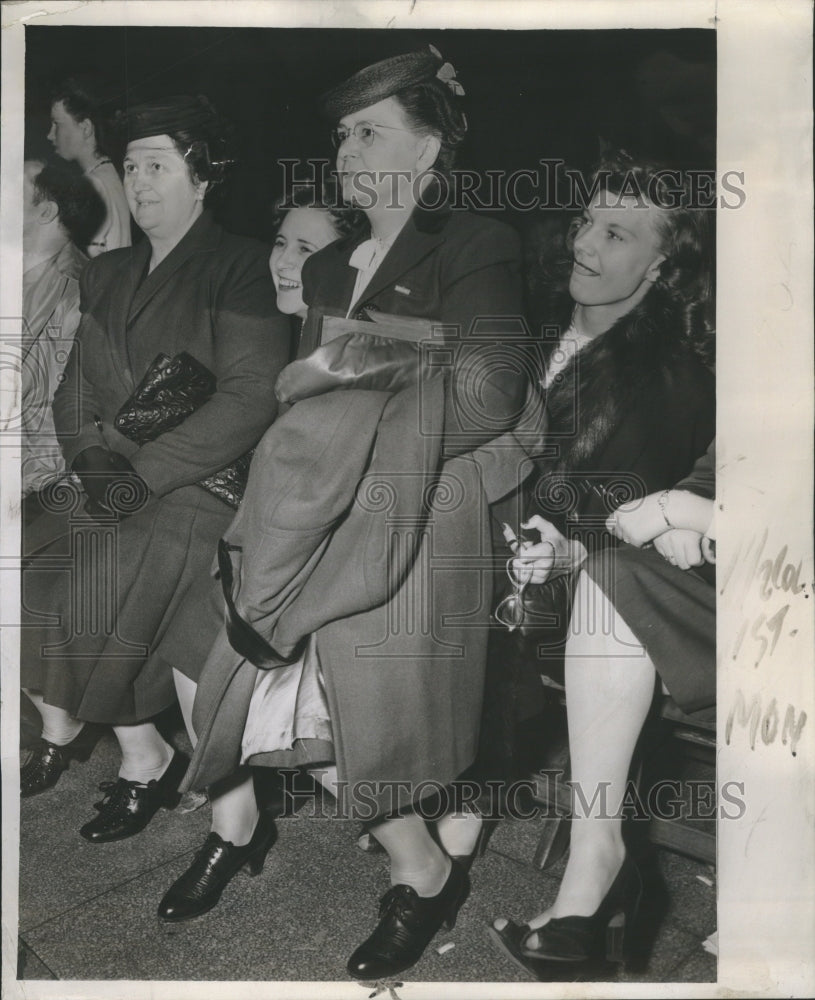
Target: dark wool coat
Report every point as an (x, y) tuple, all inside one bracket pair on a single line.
[(212, 296), (463, 272), (403, 669)]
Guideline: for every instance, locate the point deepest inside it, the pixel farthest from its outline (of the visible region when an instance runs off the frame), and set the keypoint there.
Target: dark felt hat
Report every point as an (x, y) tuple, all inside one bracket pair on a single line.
[(171, 115), (381, 80)]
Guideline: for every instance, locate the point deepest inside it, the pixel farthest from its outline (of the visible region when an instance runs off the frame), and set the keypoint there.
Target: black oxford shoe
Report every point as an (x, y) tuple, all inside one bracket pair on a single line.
[(213, 867), (44, 769), (407, 924), (128, 806)]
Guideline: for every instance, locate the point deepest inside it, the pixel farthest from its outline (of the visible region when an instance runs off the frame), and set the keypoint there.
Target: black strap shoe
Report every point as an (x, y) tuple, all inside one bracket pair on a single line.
[(509, 939), (46, 764), (128, 806), (214, 866), (408, 923), (605, 933)]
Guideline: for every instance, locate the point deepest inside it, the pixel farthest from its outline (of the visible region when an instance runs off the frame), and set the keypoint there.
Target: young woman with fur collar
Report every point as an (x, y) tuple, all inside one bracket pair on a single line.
[(630, 406), (629, 392)]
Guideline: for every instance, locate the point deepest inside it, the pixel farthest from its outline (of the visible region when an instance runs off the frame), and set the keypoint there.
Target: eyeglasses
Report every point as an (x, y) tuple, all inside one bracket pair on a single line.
[(511, 611), (363, 132)]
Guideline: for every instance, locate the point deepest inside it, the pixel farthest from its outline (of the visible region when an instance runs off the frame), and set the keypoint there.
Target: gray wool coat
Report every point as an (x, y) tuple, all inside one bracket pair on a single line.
[(352, 531), (373, 513)]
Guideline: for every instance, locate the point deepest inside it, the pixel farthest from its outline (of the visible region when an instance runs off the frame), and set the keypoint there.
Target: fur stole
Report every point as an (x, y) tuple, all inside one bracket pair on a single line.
[(611, 377)]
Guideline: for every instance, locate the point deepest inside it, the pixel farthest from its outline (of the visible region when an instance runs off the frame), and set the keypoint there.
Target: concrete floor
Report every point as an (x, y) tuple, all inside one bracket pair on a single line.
[(88, 912)]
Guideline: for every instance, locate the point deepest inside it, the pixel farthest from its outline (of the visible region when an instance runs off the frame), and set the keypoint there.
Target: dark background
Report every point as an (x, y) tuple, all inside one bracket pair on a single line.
[(529, 94)]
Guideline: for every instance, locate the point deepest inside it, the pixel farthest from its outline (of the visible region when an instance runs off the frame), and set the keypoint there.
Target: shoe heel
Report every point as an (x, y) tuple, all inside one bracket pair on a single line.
[(92, 733), (254, 865), (481, 841), (452, 914), (171, 800), (615, 938), (267, 839), (81, 753)]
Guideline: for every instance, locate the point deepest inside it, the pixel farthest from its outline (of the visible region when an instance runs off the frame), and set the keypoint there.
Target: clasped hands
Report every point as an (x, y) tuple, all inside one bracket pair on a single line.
[(112, 484), (643, 522)]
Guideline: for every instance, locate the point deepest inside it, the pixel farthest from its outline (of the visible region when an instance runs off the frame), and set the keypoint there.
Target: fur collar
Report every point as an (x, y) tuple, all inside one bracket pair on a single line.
[(610, 376)]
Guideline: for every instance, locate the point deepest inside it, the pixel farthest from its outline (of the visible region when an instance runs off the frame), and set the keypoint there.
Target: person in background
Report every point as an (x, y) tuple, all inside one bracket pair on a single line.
[(79, 133), (61, 211)]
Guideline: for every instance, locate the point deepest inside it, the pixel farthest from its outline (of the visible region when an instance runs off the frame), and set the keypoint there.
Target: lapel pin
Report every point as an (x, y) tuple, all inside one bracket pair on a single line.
[(402, 290)]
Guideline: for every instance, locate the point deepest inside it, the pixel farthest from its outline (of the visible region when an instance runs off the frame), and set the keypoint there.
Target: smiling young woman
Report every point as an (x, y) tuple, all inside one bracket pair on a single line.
[(617, 250), (630, 403), (305, 221)]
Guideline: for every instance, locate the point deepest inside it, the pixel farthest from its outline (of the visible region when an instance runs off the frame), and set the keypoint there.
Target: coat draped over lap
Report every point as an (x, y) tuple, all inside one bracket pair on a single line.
[(366, 524), (98, 654)]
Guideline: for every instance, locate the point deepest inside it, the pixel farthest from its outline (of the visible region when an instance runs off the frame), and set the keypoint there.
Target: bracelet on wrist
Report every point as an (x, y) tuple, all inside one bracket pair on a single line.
[(662, 502)]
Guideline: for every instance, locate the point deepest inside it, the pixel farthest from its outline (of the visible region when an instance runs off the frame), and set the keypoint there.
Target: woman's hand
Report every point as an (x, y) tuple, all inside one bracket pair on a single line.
[(638, 521), (112, 484), (682, 547), (552, 555)]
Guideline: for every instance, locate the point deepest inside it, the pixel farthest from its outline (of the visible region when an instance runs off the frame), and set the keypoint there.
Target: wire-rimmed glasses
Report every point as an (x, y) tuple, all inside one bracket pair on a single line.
[(510, 612), (363, 132)]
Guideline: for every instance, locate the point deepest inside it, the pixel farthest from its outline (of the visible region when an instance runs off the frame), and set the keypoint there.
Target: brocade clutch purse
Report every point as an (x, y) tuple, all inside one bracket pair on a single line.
[(172, 389)]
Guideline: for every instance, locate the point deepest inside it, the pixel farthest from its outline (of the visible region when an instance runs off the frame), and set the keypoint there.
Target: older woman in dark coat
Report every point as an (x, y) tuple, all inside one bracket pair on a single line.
[(187, 287), (400, 639)]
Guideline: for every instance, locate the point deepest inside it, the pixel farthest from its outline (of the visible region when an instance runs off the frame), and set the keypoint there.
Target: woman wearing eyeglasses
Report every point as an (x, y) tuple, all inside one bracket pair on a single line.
[(398, 631), (630, 402), (396, 122)]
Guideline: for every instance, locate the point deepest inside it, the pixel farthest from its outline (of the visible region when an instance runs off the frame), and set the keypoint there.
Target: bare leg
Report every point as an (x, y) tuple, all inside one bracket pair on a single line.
[(145, 754), (234, 806), (416, 859), (327, 777), (610, 685)]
